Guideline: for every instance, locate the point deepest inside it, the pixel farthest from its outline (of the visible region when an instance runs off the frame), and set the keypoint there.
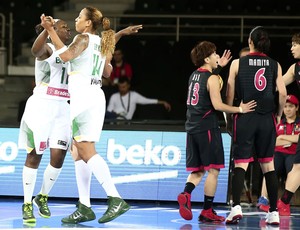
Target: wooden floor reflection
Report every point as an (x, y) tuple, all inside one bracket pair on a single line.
[(140, 216)]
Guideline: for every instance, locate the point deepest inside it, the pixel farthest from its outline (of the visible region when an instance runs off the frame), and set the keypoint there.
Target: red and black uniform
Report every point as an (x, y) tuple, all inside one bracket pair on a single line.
[(255, 132), (284, 156), (204, 141)]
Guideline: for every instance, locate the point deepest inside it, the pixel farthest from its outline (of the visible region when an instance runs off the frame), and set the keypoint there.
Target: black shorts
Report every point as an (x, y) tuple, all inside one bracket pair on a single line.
[(283, 163), (204, 151), (253, 133), (297, 157)]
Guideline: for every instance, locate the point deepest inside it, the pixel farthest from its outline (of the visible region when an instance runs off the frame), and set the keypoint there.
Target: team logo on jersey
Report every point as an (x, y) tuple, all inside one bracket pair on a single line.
[(63, 143), (280, 127), (58, 61), (43, 146)]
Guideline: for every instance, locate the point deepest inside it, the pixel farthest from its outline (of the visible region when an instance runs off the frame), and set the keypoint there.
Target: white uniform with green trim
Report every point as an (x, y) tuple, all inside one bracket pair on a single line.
[(46, 119), (87, 98)]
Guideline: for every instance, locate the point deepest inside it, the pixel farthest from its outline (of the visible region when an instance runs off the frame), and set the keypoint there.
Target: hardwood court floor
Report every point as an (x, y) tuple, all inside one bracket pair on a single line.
[(142, 215)]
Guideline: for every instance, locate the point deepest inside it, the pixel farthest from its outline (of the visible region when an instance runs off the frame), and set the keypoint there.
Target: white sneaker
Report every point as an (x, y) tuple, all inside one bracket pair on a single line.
[(272, 218), (235, 215)]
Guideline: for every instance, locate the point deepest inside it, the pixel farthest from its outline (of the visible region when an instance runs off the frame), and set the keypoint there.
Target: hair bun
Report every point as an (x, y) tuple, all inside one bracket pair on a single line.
[(105, 23)]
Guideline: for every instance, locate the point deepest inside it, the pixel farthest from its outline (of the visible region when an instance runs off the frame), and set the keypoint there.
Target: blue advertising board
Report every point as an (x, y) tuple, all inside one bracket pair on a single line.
[(145, 165)]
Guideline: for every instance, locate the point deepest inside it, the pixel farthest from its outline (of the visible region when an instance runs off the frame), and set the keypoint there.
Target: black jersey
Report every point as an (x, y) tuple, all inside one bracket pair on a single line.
[(297, 73), (256, 80), (201, 115)]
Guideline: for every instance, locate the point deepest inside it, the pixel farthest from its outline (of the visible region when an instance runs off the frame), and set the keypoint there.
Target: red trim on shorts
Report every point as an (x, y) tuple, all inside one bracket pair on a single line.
[(213, 166), (209, 135), (244, 160), (196, 169), (206, 168), (265, 160)]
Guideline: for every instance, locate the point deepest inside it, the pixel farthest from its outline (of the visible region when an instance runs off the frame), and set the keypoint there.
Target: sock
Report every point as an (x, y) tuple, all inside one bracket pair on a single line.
[(272, 189), (29, 179), (101, 171), (83, 179), (237, 185), (208, 201), (50, 176), (189, 187), (286, 197)]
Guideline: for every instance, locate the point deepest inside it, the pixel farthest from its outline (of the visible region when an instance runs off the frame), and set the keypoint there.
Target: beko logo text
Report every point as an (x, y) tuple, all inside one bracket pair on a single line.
[(8, 151), (137, 154)]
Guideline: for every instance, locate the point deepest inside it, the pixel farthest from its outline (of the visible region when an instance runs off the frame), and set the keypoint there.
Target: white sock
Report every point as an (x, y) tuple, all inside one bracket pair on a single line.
[(50, 176), (83, 178), (101, 171), (29, 179)]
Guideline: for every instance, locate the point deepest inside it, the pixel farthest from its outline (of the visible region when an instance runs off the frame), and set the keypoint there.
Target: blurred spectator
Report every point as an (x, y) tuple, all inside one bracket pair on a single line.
[(122, 104), (121, 68)]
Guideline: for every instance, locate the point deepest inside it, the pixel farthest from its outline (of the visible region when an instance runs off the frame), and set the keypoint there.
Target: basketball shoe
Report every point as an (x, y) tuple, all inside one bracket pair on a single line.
[(41, 202), (235, 215), (81, 214), (185, 208), (210, 215), (27, 210)]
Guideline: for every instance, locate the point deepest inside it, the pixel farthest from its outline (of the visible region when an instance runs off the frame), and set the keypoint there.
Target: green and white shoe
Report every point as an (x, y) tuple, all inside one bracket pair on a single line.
[(27, 210), (116, 207), (82, 214), (41, 202)]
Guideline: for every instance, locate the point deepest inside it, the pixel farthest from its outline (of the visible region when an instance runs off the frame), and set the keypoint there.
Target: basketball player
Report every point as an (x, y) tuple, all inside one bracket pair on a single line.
[(204, 151), (89, 57), (45, 122), (255, 77)]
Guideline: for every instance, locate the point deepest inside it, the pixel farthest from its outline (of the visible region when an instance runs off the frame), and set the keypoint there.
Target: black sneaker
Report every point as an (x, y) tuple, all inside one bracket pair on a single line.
[(27, 210), (116, 207), (82, 214)]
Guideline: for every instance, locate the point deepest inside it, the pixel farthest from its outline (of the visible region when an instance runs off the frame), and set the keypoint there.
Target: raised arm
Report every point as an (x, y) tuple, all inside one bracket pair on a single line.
[(80, 41), (40, 49), (128, 31)]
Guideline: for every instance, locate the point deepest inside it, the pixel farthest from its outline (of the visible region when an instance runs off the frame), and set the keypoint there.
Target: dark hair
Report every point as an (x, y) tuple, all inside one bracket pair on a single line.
[(260, 39), (201, 51), (296, 38), (123, 80)]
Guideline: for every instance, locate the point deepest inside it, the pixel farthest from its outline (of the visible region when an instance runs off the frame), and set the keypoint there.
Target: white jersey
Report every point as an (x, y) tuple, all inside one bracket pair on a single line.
[(51, 77), (87, 104), (90, 63), (46, 119)]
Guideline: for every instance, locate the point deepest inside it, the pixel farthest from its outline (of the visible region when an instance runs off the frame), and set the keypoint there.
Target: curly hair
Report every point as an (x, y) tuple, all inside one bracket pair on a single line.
[(108, 38), (107, 35), (201, 51)]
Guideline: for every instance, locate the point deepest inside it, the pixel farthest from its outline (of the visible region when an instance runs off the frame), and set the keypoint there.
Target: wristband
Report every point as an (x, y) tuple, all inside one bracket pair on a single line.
[(241, 109), (61, 50)]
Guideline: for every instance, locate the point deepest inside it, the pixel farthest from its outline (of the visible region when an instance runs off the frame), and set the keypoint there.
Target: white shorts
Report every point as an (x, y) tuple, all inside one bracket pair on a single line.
[(45, 124), (87, 114)]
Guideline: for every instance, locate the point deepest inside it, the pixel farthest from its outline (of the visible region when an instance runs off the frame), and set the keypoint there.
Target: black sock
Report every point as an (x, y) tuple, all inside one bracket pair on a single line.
[(237, 185), (189, 187), (286, 197), (272, 189), (208, 201)]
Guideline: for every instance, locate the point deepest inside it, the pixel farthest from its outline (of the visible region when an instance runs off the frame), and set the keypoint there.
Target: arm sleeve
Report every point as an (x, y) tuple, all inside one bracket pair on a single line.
[(144, 100)]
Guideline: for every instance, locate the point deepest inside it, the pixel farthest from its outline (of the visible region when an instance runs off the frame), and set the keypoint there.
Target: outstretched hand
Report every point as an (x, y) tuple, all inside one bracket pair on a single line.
[(226, 57), (132, 29), (248, 107)]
